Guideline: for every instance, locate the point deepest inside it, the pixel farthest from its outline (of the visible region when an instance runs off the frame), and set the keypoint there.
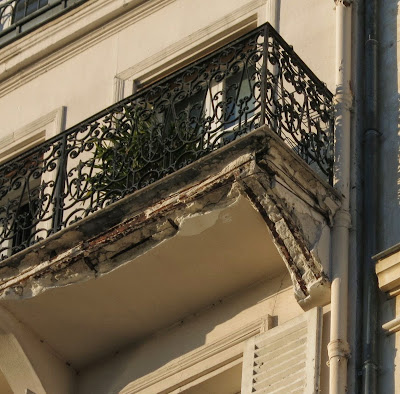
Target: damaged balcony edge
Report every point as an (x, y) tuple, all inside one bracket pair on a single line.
[(150, 208)]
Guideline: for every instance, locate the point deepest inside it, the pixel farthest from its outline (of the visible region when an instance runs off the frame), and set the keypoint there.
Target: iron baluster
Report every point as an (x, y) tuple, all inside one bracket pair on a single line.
[(264, 74), (58, 196)]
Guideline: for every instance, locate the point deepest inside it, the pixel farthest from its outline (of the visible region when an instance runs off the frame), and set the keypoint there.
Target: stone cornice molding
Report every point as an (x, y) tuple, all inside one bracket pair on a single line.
[(32, 134), (388, 270)]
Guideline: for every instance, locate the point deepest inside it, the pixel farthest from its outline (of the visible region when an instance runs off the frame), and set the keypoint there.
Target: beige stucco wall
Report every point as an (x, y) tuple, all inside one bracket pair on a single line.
[(309, 26)]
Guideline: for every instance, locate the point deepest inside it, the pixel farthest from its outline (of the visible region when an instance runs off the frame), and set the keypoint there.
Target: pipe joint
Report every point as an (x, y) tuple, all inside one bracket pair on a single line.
[(371, 41), (369, 365), (338, 348), (342, 219)]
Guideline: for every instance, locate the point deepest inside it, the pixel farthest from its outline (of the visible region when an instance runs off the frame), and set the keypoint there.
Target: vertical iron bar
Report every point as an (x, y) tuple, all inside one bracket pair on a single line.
[(59, 187), (264, 74)]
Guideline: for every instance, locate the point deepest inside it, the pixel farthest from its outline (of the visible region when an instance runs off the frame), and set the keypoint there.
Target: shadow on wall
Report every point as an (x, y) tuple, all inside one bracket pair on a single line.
[(147, 356), (389, 107)]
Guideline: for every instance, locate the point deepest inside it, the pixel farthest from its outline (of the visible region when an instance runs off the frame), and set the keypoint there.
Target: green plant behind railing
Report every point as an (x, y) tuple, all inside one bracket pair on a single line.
[(139, 143)]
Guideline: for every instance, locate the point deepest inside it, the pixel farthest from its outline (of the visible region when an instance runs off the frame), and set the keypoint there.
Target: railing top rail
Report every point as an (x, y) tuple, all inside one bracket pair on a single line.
[(114, 107)]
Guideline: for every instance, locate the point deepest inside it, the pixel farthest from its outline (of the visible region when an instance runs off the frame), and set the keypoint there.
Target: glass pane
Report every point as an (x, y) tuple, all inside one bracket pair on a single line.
[(24, 8)]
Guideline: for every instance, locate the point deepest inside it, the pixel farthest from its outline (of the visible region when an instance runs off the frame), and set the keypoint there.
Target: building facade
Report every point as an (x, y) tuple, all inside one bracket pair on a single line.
[(194, 196)]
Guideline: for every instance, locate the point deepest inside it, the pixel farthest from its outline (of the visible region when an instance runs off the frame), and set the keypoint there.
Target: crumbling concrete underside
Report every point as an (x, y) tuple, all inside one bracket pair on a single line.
[(294, 203)]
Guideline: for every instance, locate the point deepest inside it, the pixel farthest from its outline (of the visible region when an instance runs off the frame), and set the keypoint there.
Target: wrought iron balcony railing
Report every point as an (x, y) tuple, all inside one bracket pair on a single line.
[(18, 17), (255, 80)]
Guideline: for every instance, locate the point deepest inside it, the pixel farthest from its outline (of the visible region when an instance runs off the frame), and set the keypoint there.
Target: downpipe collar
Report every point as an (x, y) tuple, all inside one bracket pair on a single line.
[(342, 218), (338, 348)]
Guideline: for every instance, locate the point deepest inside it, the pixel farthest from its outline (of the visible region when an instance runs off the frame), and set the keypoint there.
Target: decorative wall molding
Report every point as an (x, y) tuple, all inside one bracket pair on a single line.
[(391, 326), (388, 270), (55, 43), (32, 134), (198, 362)]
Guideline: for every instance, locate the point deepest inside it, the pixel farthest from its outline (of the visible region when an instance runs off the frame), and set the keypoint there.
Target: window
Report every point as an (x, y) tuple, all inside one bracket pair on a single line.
[(13, 11), (24, 8), (285, 359)]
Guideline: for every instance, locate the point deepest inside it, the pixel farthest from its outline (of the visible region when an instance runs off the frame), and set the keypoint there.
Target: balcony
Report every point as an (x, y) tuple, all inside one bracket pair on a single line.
[(254, 81), (19, 17)]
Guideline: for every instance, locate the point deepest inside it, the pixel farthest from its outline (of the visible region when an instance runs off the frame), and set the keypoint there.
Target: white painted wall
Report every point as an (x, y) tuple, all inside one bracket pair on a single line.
[(309, 26)]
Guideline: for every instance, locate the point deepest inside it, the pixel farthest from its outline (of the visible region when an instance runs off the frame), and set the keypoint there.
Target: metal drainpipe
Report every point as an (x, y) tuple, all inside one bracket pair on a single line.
[(274, 7), (371, 140), (338, 347)]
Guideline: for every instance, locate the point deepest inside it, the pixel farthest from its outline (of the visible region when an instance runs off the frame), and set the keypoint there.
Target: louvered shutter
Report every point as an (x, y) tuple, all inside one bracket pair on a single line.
[(285, 359)]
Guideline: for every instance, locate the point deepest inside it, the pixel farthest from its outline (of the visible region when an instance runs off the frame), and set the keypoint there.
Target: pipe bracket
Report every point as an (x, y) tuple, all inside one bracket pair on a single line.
[(343, 100)]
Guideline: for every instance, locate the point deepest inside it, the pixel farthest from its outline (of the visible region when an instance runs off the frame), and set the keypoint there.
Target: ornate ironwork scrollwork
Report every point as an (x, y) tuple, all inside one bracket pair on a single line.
[(254, 80)]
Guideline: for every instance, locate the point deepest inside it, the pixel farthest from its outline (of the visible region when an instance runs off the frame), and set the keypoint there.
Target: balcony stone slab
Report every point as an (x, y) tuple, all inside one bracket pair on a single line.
[(294, 203)]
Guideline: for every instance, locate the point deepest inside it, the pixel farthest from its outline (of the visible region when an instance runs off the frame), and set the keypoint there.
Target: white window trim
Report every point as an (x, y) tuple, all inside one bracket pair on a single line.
[(32, 134), (188, 49)]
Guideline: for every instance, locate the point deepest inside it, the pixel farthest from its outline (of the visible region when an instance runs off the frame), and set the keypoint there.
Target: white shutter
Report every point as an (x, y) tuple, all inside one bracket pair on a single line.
[(285, 359)]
